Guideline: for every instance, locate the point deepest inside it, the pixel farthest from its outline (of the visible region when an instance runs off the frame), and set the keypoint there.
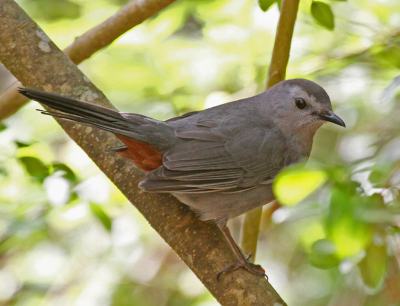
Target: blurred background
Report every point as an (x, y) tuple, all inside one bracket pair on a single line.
[(69, 237)]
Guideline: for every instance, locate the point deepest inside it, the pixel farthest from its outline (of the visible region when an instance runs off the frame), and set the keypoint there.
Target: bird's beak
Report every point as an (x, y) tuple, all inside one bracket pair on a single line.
[(332, 117)]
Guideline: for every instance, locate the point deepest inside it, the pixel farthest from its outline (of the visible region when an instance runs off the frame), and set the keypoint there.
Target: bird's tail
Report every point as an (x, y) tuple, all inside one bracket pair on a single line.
[(134, 126)]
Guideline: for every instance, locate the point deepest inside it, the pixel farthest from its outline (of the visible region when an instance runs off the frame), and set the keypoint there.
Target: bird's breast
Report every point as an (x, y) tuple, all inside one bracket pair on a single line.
[(298, 151)]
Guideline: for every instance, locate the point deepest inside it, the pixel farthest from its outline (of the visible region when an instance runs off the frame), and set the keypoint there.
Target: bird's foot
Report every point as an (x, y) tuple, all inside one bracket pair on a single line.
[(244, 264)]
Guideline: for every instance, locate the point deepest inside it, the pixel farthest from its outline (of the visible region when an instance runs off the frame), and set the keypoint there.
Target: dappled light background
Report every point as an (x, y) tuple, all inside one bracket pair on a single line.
[(69, 237)]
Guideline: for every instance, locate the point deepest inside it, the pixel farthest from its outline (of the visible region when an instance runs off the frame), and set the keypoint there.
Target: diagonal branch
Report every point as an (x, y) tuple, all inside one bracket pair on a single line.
[(277, 72), (93, 40), (29, 54)]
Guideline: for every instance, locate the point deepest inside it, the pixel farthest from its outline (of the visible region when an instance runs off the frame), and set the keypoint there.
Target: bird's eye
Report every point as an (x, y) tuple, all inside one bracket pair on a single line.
[(300, 103)]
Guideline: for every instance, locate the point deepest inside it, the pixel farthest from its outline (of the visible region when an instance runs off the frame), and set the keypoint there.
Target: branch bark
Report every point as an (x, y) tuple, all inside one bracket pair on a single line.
[(277, 73), (93, 40), (283, 41), (34, 60)]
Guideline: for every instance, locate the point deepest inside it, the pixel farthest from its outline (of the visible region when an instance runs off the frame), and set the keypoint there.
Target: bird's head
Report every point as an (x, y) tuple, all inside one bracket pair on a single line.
[(302, 105)]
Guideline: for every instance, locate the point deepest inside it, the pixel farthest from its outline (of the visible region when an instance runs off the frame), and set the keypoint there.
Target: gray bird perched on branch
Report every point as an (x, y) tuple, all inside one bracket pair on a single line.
[(221, 161)]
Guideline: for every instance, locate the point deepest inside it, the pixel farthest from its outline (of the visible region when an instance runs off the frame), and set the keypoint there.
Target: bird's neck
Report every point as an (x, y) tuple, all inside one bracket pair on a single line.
[(305, 140), (302, 140)]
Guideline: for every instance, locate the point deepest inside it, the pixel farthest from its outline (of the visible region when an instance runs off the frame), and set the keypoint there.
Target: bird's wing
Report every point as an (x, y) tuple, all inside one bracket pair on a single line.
[(208, 160)]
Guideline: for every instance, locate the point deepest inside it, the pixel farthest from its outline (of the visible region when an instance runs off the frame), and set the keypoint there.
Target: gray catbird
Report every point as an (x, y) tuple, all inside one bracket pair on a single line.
[(221, 161)]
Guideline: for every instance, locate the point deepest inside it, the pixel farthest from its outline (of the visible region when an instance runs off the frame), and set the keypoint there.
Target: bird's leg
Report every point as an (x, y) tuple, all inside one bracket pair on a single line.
[(242, 261)]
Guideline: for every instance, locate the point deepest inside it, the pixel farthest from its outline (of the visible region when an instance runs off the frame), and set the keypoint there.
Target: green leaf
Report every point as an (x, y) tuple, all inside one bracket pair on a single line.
[(323, 14), (21, 144), (379, 174), (323, 254), (3, 171), (67, 172), (311, 232), (344, 226), (2, 126), (73, 197), (53, 10), (35, 167), (294, 184), (373, 267), (265, 4), (101, 215)]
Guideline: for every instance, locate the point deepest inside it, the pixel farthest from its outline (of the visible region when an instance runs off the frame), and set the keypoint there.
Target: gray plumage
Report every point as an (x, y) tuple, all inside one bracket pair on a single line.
[(221, 161)]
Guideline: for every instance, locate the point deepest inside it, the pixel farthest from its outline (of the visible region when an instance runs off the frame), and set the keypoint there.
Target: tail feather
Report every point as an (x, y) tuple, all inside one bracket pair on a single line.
[(69, 105), (88, 120), (134, 126)]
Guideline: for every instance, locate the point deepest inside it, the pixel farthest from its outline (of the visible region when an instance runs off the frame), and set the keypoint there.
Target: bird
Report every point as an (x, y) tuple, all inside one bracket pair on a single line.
[(221, 161)]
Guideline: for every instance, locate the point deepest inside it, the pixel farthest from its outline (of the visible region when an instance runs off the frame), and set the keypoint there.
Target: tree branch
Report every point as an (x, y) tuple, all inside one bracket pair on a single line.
[(93, 40), (33, 59), (283, 41), (277, 72)]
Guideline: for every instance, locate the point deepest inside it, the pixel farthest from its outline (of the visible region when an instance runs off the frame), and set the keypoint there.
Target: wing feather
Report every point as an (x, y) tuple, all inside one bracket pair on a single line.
[(208, 161)]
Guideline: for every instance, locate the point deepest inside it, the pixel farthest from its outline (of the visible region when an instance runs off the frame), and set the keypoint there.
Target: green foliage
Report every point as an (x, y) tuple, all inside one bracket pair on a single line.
[(3, 171), (323, 254), (38, 170), (101, 216), (265, 4), (66, 171), (294, 184), (53, 10), (379, 175), (351, 222), (21, 144), (35, 167), (343, 224), (373, 266), (323, 15)]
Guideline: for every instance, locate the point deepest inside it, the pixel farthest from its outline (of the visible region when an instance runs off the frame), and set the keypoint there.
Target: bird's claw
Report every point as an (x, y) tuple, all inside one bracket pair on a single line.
[(249, 267)]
